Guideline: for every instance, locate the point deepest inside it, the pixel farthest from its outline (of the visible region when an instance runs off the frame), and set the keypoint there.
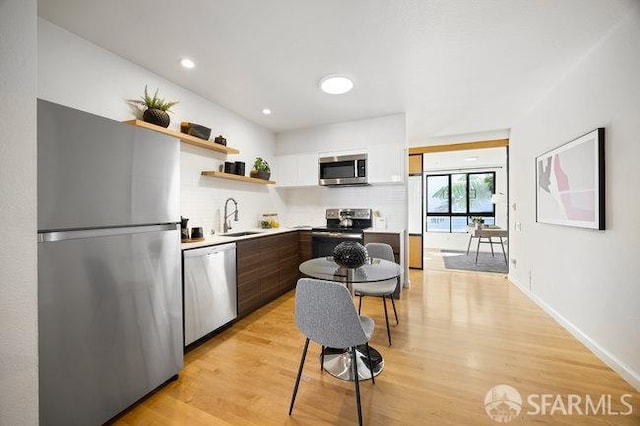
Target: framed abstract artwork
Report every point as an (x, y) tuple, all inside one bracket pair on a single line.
[(570, 183)]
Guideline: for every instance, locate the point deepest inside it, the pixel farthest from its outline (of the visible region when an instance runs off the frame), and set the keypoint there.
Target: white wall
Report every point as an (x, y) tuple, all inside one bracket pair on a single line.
[(307, 205), (588, 279), (77, 73), (348, 135), (18, 251)]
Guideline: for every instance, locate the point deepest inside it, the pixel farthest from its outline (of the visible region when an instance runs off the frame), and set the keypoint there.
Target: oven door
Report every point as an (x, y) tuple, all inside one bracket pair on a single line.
[(323, 242)]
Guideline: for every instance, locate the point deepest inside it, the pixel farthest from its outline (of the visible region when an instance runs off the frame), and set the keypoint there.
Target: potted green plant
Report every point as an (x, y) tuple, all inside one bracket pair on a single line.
[(156, 108), (261, 169), (477, 221)]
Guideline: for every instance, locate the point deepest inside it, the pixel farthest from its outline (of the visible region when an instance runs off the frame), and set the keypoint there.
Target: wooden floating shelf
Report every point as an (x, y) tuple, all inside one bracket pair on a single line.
[(191, 140), (239, 178)]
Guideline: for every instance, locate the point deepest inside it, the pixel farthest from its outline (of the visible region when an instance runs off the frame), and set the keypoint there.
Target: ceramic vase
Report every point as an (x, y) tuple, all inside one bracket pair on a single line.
[(350, 254)]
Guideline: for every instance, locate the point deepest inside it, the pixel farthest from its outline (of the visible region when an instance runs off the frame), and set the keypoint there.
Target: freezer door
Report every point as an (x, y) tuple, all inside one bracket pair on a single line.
[(94, 172), (110, 322)]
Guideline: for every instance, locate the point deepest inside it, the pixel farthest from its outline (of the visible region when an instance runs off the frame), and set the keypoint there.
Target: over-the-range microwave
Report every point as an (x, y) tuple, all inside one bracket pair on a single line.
[(343, 170)]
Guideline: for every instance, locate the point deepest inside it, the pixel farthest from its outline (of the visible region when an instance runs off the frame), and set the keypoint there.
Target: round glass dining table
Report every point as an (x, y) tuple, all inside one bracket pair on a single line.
[(337, 361)]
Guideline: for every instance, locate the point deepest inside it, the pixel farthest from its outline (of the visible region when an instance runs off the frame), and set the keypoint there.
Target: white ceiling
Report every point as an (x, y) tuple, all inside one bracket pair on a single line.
[(453, 67)]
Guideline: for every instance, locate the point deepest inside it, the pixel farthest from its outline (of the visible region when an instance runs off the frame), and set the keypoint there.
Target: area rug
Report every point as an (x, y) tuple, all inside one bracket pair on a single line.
[(486, 263)]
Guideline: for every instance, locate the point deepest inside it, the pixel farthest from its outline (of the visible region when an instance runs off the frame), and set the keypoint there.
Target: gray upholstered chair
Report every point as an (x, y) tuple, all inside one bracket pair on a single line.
[(384, 289), (325, 313)]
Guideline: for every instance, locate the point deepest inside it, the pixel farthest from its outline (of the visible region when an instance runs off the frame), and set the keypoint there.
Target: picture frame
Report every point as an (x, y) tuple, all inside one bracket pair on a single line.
[(570, 182)]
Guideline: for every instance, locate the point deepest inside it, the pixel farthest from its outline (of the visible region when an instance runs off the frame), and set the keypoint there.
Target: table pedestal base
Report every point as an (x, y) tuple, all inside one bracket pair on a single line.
[(337, 362)]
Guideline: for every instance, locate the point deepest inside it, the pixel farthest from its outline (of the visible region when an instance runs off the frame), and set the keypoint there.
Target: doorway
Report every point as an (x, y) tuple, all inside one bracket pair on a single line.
[(449, 186)]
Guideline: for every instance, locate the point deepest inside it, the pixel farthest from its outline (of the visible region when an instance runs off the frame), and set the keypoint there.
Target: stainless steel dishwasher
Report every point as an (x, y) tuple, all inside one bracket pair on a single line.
[(210, 291)]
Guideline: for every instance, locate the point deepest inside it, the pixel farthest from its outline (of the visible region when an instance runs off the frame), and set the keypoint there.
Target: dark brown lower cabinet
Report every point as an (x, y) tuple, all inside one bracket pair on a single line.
[(249, 278), (289, 260), (304, 239), (267, 268), (388, 238)]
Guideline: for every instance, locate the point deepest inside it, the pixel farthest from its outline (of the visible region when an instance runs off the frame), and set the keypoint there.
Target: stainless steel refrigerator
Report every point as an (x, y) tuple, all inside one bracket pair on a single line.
[(109, 278)]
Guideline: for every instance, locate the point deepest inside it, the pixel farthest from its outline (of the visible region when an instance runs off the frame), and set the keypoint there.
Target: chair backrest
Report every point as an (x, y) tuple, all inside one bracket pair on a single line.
[(325, 313), (385, 252), (380, 251)]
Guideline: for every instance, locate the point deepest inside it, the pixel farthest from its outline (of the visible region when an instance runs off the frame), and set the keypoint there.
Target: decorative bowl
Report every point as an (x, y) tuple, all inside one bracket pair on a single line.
[(350, 254)]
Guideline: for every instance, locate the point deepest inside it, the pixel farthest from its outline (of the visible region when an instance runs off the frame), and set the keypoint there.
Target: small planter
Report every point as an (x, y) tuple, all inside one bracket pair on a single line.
[(260, 174), (157, 117)]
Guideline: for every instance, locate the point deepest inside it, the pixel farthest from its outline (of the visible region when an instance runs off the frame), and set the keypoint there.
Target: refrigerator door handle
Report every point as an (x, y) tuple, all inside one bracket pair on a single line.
[(45, 237)]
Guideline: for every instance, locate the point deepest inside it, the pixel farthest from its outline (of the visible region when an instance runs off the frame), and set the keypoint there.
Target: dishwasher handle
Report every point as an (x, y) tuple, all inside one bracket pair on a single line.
[(209, 250)]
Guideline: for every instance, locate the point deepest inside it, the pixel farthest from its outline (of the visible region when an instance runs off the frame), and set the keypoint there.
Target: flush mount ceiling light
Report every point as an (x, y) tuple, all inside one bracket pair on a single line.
[(336, 84), (266, 111), (471, 159), (187, 63)]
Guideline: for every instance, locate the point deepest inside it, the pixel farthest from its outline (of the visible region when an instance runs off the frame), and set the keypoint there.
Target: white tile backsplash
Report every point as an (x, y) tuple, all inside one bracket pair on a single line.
[(306, 206), (203, 198)]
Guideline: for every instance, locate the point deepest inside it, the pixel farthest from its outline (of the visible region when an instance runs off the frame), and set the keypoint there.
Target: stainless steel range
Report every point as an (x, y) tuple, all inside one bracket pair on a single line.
[(342, 225)]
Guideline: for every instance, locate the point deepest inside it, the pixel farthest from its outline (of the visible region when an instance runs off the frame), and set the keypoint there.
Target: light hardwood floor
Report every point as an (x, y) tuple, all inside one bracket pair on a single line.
[(460, 334)]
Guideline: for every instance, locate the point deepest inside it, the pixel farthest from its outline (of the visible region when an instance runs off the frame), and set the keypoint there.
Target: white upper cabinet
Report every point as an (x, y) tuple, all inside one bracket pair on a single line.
[(308, 169), (285, 170), (296, 170), (386, 164)]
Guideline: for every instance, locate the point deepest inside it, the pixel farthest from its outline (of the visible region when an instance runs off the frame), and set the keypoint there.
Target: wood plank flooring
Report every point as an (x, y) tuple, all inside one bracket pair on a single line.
[(460, 334)]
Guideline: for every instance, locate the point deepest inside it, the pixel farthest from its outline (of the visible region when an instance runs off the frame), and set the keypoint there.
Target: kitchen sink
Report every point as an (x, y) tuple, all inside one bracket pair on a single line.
[(240, 234)]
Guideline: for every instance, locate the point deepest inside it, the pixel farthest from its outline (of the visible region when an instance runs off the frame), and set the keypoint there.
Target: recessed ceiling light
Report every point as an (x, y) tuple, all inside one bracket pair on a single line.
[(471, 159), (187, 63), (336, 84), (266, 111)]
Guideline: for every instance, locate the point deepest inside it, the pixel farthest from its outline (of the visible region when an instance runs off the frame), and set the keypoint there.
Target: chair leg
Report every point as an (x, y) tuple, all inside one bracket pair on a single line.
[(394, 310), (386, 318), (322, 359), (503, 252), (354, 365), (295, 388), (373, 379), (469, 245), (359, 304)]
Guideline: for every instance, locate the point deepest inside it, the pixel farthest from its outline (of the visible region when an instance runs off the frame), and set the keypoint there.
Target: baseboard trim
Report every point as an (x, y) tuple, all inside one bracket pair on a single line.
[(629, 375)]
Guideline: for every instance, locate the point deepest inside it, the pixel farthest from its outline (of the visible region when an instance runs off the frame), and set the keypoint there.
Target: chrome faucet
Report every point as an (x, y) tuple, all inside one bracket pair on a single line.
[(227, 225)]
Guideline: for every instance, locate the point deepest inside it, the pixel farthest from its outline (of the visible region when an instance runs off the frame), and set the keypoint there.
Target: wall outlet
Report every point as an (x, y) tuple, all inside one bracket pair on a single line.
[(517, 226), (513, 261)]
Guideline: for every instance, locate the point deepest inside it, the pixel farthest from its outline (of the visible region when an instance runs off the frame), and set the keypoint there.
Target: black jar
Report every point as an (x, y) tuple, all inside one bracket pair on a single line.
[(240, 168), (229, 167)]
